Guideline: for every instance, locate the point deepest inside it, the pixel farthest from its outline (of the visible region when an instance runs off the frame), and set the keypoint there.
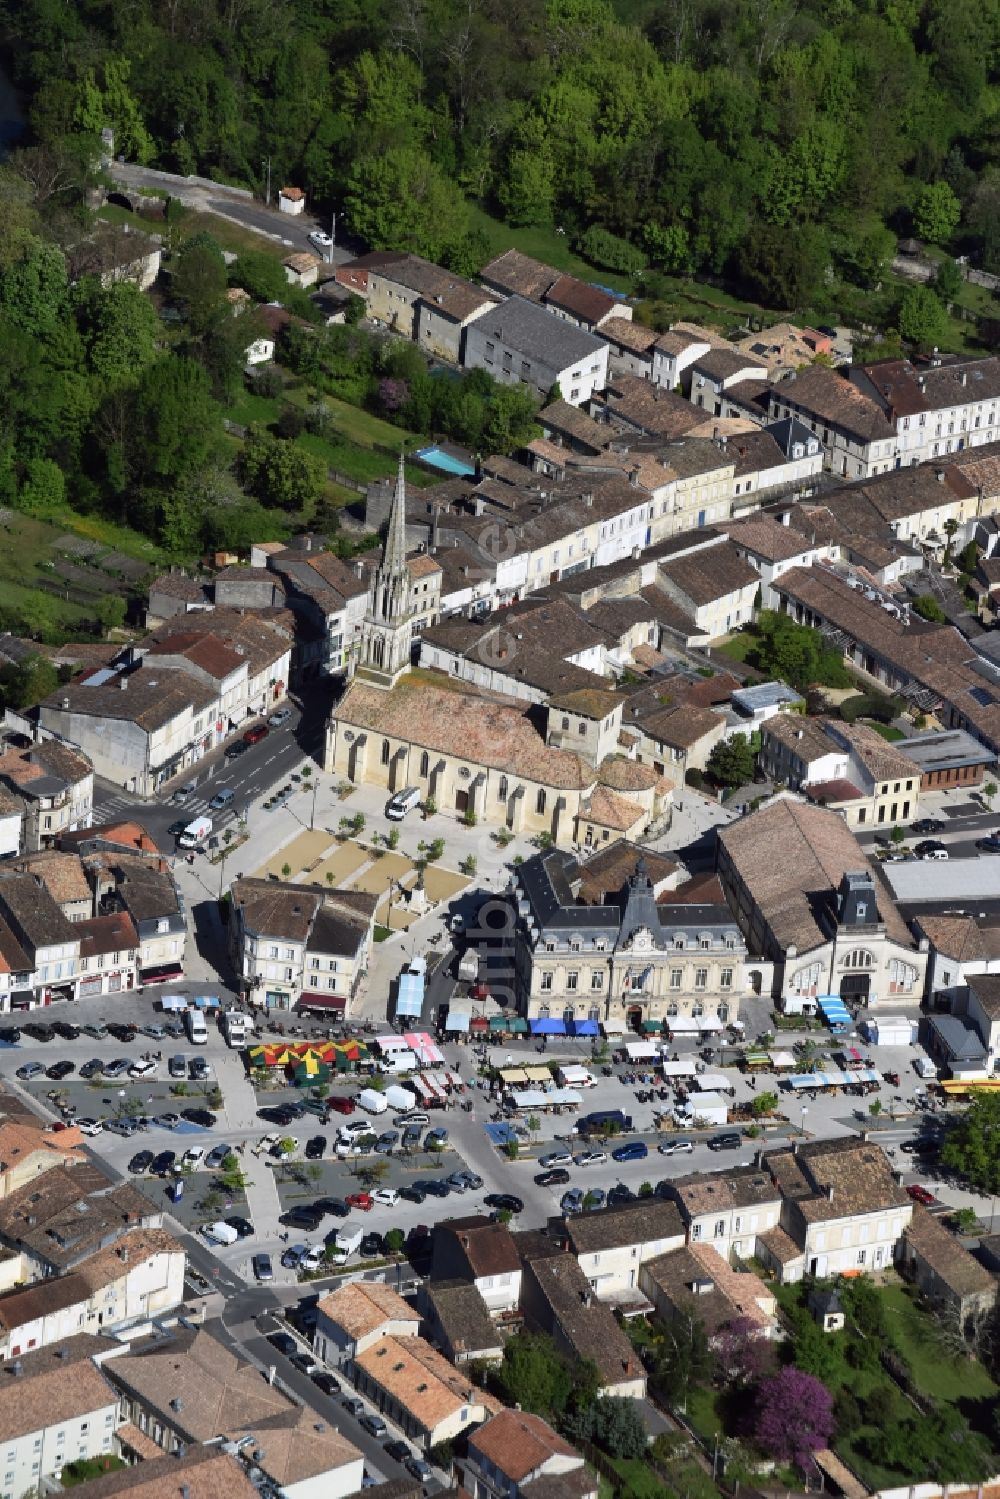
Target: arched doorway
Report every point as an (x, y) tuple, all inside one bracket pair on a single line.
[(633, 1017)]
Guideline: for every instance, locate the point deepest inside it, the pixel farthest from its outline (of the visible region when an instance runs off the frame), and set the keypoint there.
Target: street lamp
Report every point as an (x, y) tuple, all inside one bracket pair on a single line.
[(803, 1111)]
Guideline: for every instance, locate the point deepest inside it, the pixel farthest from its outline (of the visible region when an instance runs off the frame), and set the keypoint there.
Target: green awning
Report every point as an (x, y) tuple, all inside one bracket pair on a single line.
[(499, 1023), (651, 1027), (519, 1026)]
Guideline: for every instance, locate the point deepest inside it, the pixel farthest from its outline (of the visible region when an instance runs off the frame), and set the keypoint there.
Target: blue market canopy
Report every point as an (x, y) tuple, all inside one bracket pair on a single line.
[(548, 1027)]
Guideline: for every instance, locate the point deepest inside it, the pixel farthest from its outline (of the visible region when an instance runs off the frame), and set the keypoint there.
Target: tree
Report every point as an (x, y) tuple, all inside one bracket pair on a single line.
[(793, 1416), (927, 606), (395, 1239), (535, 1375), (199, 281), (936, 213), (259, 274), (110, 610), (603, 248), (43, 488), (948, 280), (742, 1355), (685, 1359), (26, 683), (764, 1104), (972, 1145), (400, 200), (119, 328), (921, 318), (784, 265), (731, 762), (280, 472), (989, 790), (613, 1424), (176, 423)]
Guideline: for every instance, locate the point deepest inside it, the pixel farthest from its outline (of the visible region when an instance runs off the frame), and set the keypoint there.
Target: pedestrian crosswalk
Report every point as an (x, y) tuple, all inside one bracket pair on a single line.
[(124, 808)]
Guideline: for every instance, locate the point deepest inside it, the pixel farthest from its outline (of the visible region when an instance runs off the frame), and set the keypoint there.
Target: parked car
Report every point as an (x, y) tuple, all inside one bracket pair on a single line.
[(989, 845), (166, 1121), (419, 1469), (244, 1228), (383, 1197), (930, 849), (558, 1177), (140, 1162), (256, 734), (504, 1202), (373, 1424), (279, 719), (92, 1068), (729, 1141), (928, 825), (154, 1032), (234, 750), (361, 1200), (39, 1032), (144, 1067), (216, 1156), (675, 1147), (591, 1158), (620, 1193), (414, 1192), (64, 1028), (557, 1158), (177, 1066), (193, 1157), (162, 1163), (98, 1030), (595, 1199), (316, 1148), (335, 1206), (340, 1105), (307, 1218), (413, 1117), (325, 1382), (920, 1194), (90, 1127), (635, 1150), (284, 1343), (387, 1142), (436, 1188), (263, 1270), (117, 1067), (572, 1201), (372, 1246), (313, 1258), (59, 1070), (397, 1450), (29, 1070)]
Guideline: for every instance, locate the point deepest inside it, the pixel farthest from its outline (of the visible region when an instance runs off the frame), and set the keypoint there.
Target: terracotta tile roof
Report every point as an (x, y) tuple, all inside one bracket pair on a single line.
[(733, 1294), (943, 1254), (710, 574), (635, 337), (20, 1139), (804, 737), (606, 871), (836, 790), (71, 1211), (605, 809), (518, 274), (360, 1309), (122, 834), (960, 938), (722, 364), (204, 651), (422, 1381), (518, 1443), (56, 1384), (584, 301), (59, 1292), (179, 585), (883, 761), (986, 987), (272, 910), (487, 1246), (61, 874), (627, 775), (677, 725), (649, 408), (107, 934), (480, 727), (586, 1325), (463, 1317), (204, 1472), (709, 1192), (569, 421), (822, 393), (767, 538), (589, 702), (302, 262), (616, 1228), (422, 566), (818, 849), (443, 291), (824, 1180), (781, 1245), (150, 699)]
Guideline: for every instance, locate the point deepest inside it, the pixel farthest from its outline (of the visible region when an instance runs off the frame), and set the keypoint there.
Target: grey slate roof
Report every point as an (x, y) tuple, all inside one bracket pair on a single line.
[(537, 334)]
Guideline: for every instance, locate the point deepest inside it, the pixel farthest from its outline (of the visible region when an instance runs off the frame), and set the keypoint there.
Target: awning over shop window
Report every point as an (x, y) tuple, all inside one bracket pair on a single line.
[(168, 973), (500, 1023), (583, 1028), (519, 1026), (479, 1023), (548, 1027), (652, 1027), (456, 1021), (313, 1001)]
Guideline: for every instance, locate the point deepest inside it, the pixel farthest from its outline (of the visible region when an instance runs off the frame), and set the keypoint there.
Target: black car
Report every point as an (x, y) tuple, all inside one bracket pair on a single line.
[(302, 1217), (504, 1202), (176, 828), (10, 1035), (414, 1192), (620, 1194), (39, 1032), (335, 1206), (92, 1068), (67, 1031), (140, 1162), (59, 1070), (237, 748), (725, 1142), (920, 1147), (162, 1163), (284, 1344), (204, 1117), (326, 1383), (928, 825), (315, 1106), (316, 1148), (990, 845), (243, 1227), (372, 1246), (121, 1032), (555, 1178), (397, 1450), (437, 1189)]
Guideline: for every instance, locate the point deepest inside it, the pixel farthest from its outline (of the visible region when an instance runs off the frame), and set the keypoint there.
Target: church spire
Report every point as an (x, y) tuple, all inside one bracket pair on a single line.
[(394, 556)]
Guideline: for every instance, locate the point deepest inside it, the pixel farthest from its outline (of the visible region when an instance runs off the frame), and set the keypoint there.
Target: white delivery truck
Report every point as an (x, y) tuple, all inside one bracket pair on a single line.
[(236, 1028), (468, 967), (398, 1062), (220, 1233), (400, 1099), (371, 1101), (348, 1240), (196, 833), (925, 1068), (197, 1030)]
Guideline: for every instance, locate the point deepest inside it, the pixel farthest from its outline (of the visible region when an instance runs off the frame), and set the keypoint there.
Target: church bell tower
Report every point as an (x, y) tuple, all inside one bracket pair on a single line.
[(387, 632)]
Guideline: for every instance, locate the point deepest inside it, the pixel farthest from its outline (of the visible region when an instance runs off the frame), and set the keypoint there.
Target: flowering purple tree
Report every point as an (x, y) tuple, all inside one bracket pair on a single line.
[(794, 1416), (742, 1356), (393, 394)]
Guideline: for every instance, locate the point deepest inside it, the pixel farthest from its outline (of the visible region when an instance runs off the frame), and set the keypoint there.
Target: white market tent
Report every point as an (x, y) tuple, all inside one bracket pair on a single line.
[(711, 1107), (678, 1069), (642, 1051), (780, 1060), (713, 1082)]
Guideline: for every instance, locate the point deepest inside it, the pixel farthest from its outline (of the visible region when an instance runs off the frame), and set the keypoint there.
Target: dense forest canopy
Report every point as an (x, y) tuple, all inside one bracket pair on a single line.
[(764, 140)]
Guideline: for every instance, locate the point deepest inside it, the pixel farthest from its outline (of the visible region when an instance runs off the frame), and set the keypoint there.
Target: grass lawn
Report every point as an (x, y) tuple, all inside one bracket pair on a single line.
[(947, 1379), (885, 729), (249, 407), (637, 1478), (542, 244), (703, 1414), (356, 424), (737, 647), (86, 1468)]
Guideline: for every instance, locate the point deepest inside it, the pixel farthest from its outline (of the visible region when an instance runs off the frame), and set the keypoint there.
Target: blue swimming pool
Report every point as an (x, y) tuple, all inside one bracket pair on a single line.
[(438, 458)]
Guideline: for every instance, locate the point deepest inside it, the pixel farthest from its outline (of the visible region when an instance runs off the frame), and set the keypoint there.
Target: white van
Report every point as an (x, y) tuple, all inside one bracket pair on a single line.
[(925, 1067), (348, 1240), (196, 833), (220, 1233), (197, 1030), (402, 802), (371, 1101)]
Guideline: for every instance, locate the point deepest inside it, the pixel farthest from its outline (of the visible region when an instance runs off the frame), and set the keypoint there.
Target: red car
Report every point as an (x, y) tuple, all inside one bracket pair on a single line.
[(256, 734), (360, 1200), (340, 1105), (920, 1194)]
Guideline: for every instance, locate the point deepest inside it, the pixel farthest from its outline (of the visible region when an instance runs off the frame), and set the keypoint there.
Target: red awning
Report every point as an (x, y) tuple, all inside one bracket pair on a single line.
[(165, 975), (309, 1001), (479, 1023)]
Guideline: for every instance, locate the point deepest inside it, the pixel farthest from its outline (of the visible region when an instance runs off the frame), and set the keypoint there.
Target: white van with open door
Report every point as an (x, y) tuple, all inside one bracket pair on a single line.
[(196, 833)]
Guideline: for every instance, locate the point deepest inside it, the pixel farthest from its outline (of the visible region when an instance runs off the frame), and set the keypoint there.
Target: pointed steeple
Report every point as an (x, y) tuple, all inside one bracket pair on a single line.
[(394, 556)]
